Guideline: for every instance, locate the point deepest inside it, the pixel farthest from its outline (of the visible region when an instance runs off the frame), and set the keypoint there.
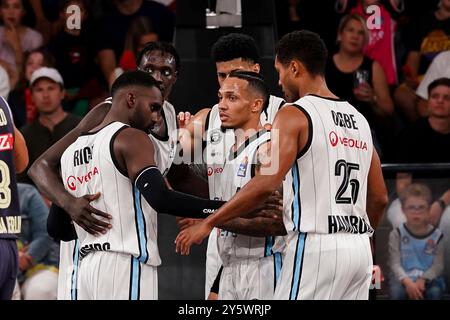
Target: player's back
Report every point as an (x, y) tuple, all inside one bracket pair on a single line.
[(10, 220), (89, 166), (326, 188)]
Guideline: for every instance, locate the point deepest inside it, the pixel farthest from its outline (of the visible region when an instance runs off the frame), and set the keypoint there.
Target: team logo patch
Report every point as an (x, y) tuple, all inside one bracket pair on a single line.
[(243, 167), (430, 246), (215, 136)]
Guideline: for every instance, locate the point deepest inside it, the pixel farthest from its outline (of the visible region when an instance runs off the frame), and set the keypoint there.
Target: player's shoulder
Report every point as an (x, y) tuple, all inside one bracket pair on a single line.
[(276, 101)]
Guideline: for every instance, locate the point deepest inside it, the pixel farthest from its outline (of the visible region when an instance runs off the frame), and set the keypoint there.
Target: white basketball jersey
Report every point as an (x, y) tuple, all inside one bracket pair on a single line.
[(165, 147), (219, 143), (325, 191), (88, 166), (238, 170)]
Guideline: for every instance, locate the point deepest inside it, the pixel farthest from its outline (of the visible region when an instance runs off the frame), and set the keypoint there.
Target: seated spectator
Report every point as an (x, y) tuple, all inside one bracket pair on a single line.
[(439, 68), (112, 29), (140, 32), (22, 106), (428, 37), (380, 46), (43, 14), (416, 252), (38, 254), (423, 143), (16, 38), (344, 72), (75, 59), (4, 83), (47, 92)]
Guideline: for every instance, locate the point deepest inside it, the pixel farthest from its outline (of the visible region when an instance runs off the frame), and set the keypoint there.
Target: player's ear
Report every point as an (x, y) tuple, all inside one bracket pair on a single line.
[(257, 105), (131, 100), (256, 68), (297, 68)]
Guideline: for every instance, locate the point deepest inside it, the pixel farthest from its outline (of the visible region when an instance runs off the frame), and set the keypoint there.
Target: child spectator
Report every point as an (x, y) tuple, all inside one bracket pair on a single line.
[(416, 252)]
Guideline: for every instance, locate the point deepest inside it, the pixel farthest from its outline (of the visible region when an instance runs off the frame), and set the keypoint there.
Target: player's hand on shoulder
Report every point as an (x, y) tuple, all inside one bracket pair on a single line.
[(87, 217)]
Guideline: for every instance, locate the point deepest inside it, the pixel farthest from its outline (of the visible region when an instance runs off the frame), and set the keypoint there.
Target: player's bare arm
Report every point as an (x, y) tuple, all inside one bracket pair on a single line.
[(192, 129), (181, 176), (377, 198), (268, 221), (45, 174), (134, 152), (291, 125), (20, 151)]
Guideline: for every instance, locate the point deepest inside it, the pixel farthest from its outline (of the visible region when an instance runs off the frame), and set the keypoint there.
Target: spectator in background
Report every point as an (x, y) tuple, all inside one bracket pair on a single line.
[(380, 46), (38, 254), (22, 106), (112, 29), (44, 15), (139, 33), (4, 83), (439, 68), (416, 252), (16, 38), (428, 37), (370, 96), (426, 142), (47, 92), (75, 59)]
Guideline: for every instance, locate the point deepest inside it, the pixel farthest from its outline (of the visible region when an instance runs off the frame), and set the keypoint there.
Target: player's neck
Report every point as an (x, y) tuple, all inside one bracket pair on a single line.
[(114, 115), (246, 131), (317, 86)]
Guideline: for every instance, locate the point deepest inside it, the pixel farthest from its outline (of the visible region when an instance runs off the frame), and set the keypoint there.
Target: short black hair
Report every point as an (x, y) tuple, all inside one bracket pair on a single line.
[(164, 48), (438, 82), (134, 78), (255, 81), (235, 46), (305, 46)]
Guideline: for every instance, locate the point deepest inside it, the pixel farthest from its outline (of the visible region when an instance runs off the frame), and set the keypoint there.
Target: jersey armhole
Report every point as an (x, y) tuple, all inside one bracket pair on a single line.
[(113, 156), (307, 146)]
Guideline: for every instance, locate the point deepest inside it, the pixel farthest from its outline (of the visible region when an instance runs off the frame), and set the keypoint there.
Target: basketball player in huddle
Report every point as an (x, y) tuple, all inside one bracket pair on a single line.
[(251, 264), (117, 159), (161, 61), (337, 193), (13, 159), (232, 52)]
